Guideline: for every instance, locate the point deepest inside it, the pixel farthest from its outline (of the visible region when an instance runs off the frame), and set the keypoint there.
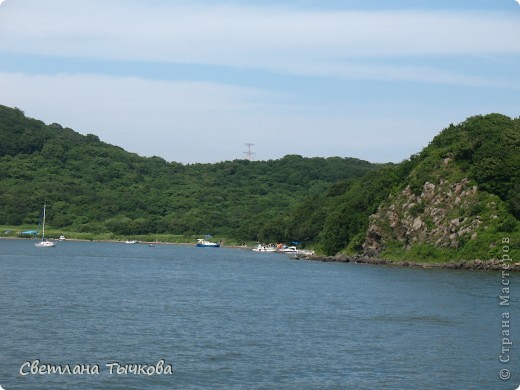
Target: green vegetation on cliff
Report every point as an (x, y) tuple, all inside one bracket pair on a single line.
[(456, 199), (461, 199)]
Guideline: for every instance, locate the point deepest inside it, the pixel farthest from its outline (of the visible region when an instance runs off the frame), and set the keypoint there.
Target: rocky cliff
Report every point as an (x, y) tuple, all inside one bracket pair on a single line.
[(448, 212)]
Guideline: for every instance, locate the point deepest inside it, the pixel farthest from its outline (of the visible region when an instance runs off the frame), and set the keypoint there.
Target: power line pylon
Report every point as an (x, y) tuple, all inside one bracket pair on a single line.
[(249, 154)]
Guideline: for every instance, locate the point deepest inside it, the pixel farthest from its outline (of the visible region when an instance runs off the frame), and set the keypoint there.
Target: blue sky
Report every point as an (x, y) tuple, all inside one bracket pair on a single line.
[(193, 81)]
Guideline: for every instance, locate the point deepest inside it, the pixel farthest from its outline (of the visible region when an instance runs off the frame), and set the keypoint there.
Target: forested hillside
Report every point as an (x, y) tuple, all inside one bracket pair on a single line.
[(91, 186), (457, 198)]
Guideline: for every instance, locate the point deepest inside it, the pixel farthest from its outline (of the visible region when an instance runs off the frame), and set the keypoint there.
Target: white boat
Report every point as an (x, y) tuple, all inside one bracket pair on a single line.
[(202, 243), (44, 243), (62, 238), (288, 249), (131, 242), (265, 248)]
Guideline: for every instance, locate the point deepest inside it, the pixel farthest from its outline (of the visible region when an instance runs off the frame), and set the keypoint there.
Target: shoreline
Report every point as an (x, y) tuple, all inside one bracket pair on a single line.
[(475, 265)]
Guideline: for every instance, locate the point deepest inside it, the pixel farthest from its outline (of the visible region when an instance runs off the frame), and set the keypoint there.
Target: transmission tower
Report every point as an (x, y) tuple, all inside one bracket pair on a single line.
[(249, 154)]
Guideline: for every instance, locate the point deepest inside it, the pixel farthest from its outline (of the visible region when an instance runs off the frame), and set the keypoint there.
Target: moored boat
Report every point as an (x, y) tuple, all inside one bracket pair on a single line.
[(203, 243), (265, 248), (44, 243), (288, 249)]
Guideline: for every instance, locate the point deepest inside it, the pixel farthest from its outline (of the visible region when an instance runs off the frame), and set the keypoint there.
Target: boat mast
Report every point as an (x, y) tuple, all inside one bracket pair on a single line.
[(43, 228)]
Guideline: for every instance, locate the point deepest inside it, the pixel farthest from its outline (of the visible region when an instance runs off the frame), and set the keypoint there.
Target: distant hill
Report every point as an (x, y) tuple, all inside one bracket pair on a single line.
[(91, 186), (456, 199)]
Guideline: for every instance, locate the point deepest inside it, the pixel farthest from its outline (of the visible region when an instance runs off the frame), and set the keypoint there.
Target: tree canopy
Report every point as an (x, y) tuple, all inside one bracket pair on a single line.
[(91, 186)]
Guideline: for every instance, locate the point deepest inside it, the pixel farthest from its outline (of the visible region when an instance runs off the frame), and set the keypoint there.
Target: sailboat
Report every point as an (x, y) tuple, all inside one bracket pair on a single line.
[(44, 243)]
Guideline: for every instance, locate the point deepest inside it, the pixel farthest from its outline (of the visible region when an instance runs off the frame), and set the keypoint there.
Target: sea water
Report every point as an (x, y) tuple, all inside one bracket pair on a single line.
[(89, 315)]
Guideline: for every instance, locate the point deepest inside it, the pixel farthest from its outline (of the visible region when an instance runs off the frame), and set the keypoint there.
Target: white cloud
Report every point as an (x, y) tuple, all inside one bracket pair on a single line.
[(192, 121), (274, 38), (170, 119), (200, 122)]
